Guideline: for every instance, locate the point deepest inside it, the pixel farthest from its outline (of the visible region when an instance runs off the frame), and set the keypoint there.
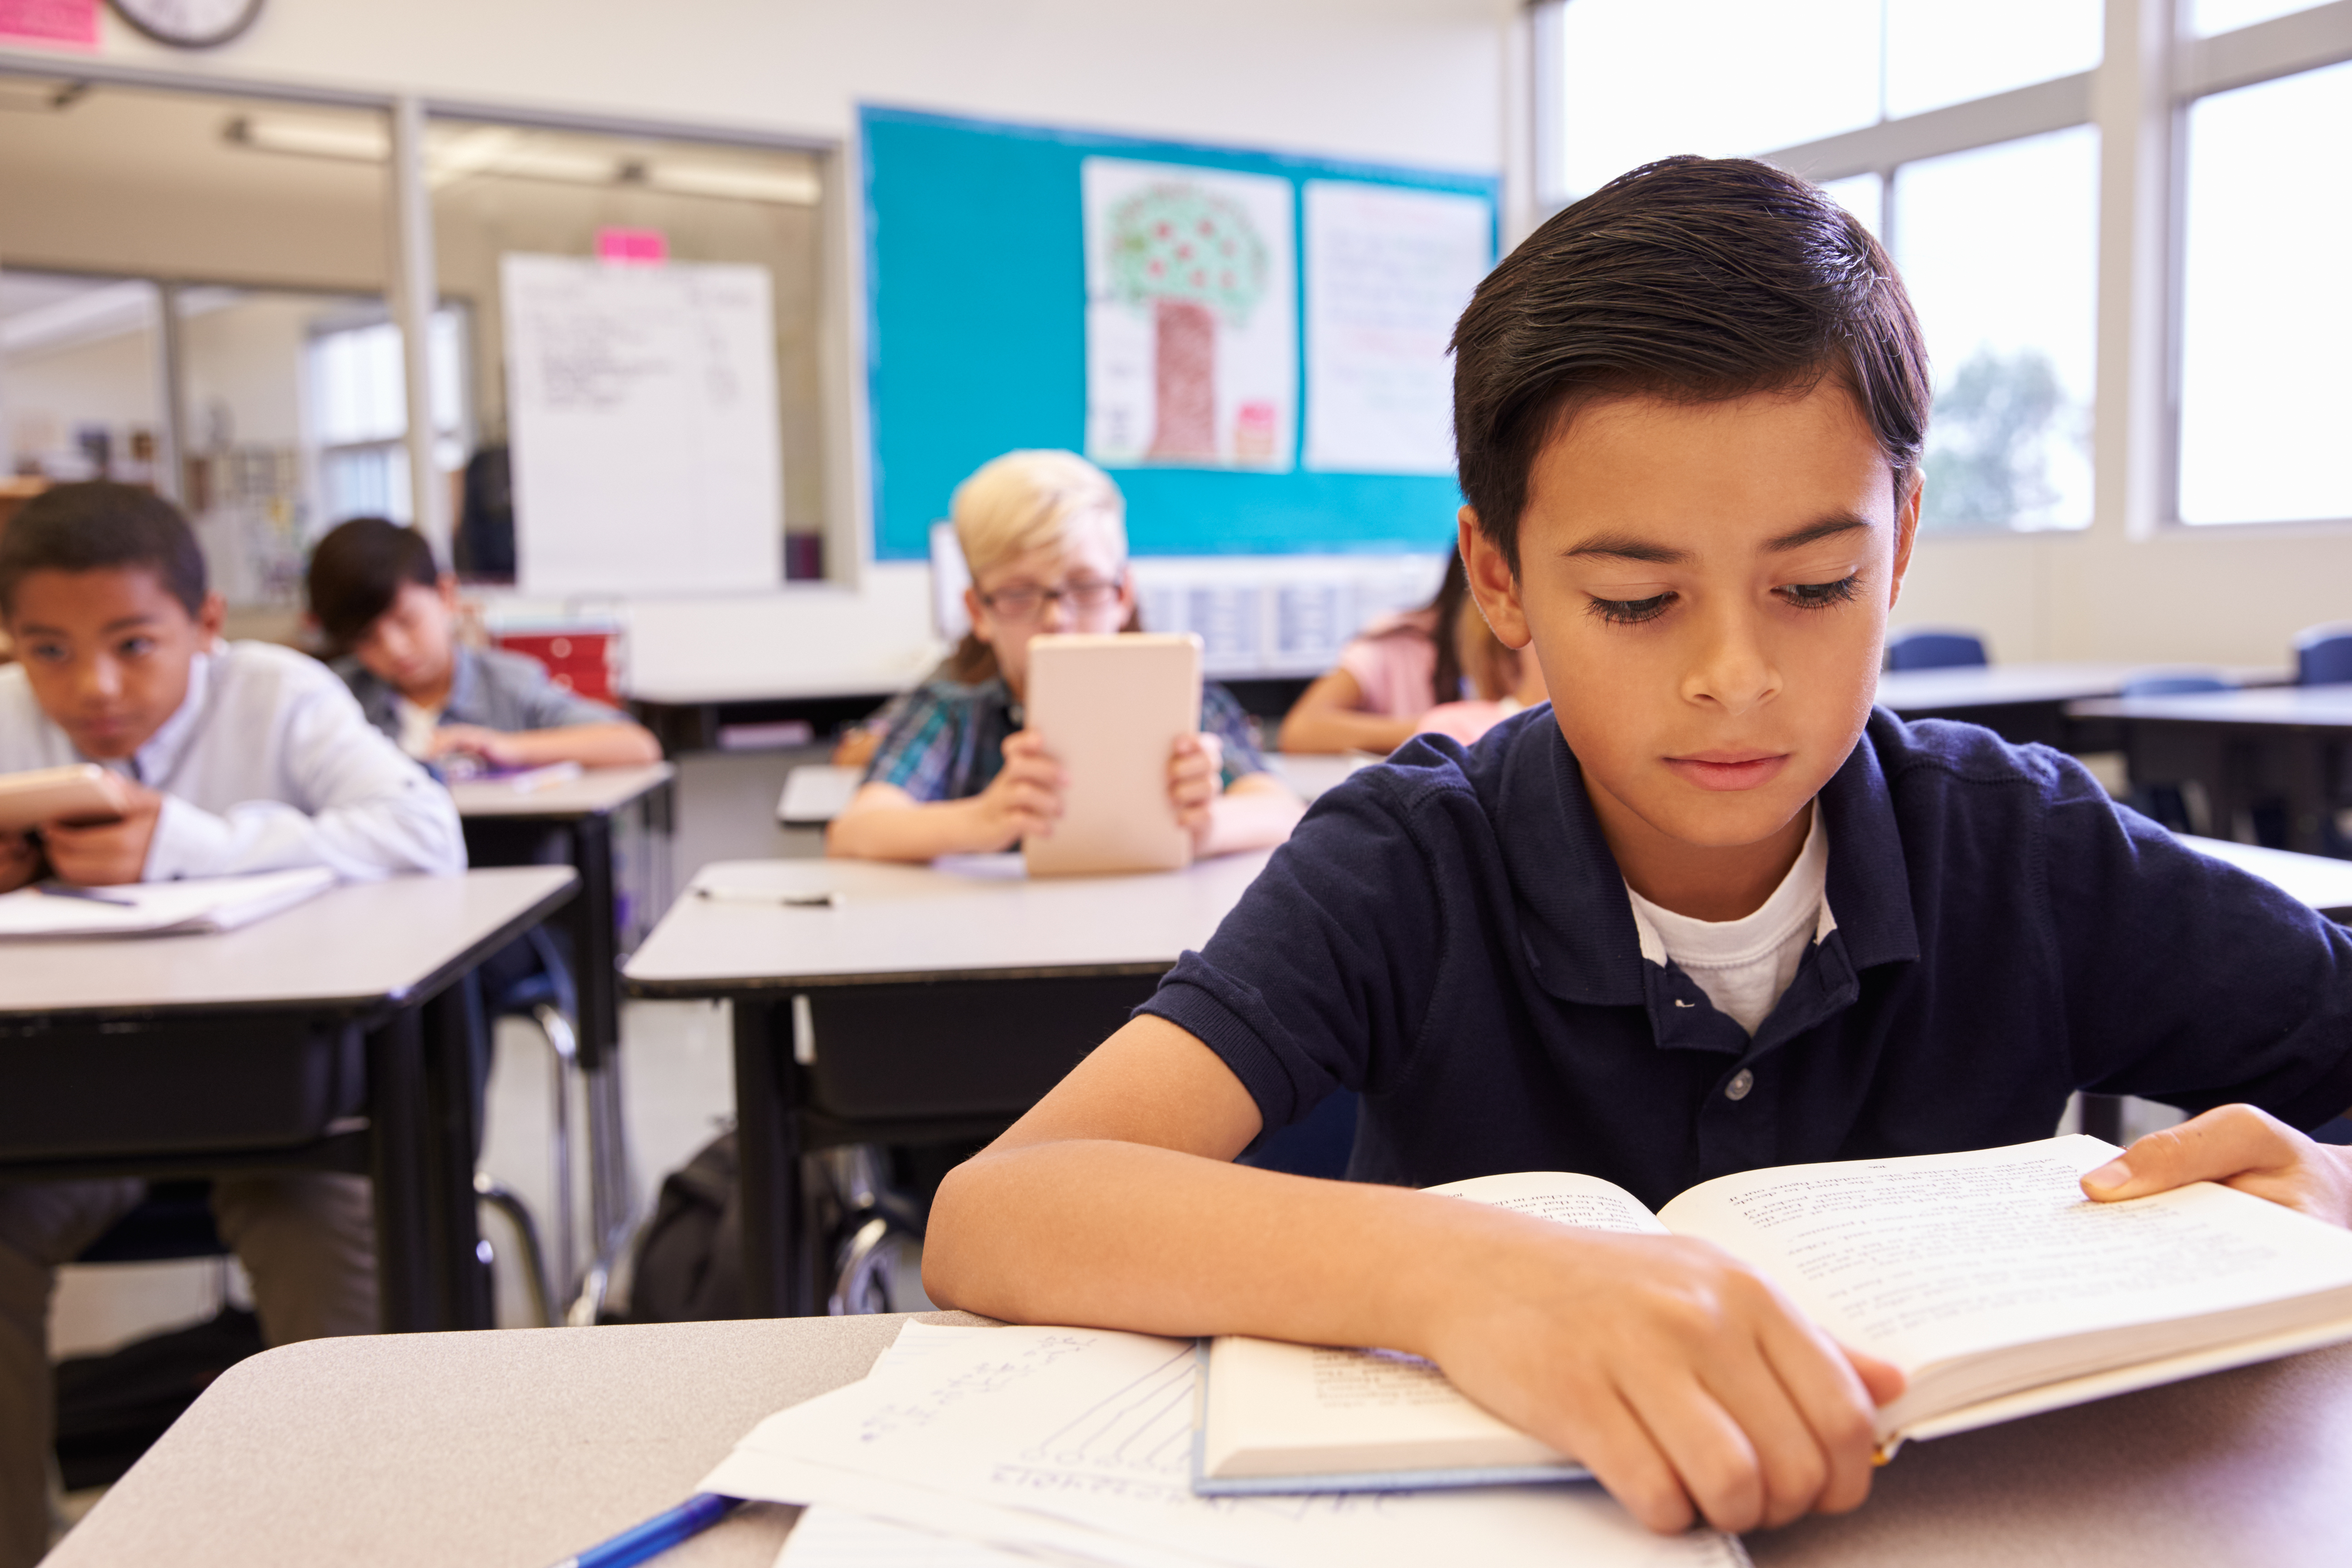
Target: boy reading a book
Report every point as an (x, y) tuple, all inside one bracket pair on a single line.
[(1044, 535), (1709, 911), (236, 757), (390, 615)]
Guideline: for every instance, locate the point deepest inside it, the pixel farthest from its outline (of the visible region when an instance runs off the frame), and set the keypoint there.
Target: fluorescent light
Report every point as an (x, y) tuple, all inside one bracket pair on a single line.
[(452, 153), (350, 139), (790, 188)]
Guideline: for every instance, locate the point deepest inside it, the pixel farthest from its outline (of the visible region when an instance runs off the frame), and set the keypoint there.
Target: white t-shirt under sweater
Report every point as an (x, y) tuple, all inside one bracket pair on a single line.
[(1744, 965)]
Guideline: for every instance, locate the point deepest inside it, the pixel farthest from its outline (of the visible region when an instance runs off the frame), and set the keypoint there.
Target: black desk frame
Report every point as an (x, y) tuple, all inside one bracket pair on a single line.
[(903, 1059), (415, 1141)]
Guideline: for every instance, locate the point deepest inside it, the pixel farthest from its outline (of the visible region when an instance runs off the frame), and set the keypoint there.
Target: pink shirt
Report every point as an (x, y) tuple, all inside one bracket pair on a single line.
[(1394, 663)]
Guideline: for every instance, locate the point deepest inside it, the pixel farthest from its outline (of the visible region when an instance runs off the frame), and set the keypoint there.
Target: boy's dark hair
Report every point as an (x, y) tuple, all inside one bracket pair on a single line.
[(99, 526), (357, 571), (1698, 279)]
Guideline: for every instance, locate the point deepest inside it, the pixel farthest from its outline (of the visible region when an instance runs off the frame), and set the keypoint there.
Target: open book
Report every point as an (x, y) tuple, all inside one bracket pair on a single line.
[(1986, 1276), (153, 908)]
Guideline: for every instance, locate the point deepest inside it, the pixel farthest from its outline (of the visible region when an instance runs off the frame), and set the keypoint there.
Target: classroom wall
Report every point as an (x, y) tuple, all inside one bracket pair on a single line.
[(1409, 81), (1414, 81)]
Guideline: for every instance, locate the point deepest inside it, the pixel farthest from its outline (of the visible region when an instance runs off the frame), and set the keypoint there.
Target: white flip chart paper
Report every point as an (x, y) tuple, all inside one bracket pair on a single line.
[(1388, 270), (640, 406)]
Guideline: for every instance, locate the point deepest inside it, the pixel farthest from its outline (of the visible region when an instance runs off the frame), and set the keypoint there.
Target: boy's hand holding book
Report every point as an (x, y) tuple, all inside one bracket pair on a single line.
[(101, 854), (2238, 1146), (1678, 1375)]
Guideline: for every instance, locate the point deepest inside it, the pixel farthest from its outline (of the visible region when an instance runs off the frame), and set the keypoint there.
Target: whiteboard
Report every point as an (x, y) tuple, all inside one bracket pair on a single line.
[(641, 408)]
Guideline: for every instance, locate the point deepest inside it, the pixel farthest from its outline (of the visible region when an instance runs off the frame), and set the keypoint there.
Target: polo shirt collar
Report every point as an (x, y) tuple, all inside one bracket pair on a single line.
[(1577, 925)]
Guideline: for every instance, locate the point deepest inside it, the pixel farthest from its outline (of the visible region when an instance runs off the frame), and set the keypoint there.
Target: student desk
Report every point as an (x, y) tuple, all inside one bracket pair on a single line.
[(2242, 746), (687, 717), (2026, 702), (512, 1451), (933, 1004), (816, 793), (503, 825), (332, 1036)]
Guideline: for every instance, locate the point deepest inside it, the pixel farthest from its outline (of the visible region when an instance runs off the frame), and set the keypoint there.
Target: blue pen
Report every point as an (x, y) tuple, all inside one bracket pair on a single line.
[(658, 1534)]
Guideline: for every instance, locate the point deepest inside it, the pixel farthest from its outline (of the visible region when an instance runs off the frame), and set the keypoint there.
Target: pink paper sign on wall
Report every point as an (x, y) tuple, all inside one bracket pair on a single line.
[(72, 23), (624, 244)]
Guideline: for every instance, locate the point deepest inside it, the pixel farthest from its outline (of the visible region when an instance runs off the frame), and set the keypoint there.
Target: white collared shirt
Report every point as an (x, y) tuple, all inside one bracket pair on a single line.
[(1744, 965), (267, 764)]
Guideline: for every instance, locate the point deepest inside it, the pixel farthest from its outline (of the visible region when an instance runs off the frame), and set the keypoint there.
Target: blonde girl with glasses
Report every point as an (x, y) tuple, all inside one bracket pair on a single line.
[(1044, 534)]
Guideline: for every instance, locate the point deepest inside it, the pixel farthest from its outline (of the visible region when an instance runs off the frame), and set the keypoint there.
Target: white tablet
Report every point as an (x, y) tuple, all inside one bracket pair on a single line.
[(82, 793), (1110, 709)]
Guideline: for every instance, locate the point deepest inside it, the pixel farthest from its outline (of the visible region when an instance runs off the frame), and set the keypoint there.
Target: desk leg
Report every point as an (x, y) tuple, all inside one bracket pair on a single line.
[(462, 1284), (776, 1271), (397, 1162), (2308, 797)]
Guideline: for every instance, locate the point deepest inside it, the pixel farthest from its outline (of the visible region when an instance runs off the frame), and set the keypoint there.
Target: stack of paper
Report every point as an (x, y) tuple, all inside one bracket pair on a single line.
[(150, 908), (989, 1446)]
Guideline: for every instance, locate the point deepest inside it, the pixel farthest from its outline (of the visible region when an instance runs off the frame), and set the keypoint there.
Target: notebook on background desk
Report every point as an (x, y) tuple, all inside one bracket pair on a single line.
[(155, 909)]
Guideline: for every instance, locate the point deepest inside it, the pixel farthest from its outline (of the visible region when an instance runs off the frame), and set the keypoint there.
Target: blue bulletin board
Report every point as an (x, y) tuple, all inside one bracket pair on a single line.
[(976, 343)]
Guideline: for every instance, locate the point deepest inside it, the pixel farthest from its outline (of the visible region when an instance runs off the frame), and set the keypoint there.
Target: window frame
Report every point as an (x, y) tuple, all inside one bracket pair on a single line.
[(2138, 96)]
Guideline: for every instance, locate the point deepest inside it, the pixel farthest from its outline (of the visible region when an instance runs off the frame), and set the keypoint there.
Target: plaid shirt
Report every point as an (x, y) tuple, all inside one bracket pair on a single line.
[(948, 741)]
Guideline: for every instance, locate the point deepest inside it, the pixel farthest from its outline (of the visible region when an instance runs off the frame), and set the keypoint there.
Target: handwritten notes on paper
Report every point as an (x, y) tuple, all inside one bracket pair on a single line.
[(1078, 1444), (642, 410), (1388, 270)]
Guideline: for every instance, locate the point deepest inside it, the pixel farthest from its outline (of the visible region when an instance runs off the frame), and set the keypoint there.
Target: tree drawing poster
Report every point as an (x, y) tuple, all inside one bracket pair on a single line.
[(1192, 316)]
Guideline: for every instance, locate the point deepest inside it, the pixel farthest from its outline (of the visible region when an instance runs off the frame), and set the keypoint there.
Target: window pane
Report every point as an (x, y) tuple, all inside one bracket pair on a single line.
[(1863, 196), (1646, 79), (1939, 52), (2208, 16), (2266, 321), (1999, 246)]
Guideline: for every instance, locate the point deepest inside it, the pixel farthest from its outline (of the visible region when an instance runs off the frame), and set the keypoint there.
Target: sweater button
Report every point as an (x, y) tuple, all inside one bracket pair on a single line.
[(1741, 1082)]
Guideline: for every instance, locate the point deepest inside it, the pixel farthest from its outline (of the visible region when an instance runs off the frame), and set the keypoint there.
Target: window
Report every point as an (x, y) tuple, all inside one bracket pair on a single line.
[(359, 413), (1958, 133), (2265, 318), (1998, 247)]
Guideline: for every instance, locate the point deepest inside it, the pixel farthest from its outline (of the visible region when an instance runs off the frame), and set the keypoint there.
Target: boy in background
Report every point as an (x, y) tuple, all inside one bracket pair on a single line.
[(390, 617), (1709, 911), (1044, 535), (237, 757)]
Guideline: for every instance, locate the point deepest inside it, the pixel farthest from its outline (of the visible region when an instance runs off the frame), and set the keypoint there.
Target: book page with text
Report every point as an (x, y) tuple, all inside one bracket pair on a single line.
[(1931, 1258)]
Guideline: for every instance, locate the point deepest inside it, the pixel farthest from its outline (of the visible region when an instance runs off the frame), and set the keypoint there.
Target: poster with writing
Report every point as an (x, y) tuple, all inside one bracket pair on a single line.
[(1192, 325), (642, 410), (1388, 270)]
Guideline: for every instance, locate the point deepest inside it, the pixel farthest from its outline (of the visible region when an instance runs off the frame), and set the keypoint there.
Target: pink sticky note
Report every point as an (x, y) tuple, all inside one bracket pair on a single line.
[(73, 23), (627, 244)]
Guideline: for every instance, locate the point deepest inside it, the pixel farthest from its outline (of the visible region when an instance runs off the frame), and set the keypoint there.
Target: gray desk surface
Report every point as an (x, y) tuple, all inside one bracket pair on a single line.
[(1998, 685), (2320, 881), (356, 945), (2272, 706), (511, 1449), (597, 792), (966, 916)]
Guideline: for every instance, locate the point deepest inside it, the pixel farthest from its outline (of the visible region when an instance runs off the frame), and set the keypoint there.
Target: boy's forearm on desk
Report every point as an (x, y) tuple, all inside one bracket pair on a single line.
[(1127, 1235), (906, 832)]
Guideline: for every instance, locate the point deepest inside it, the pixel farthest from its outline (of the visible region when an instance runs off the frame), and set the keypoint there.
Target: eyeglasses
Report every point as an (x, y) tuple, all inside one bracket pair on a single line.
[(1025, 602)]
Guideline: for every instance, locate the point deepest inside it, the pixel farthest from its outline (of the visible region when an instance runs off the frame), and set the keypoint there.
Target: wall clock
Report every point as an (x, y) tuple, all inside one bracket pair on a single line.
[(189, 23)]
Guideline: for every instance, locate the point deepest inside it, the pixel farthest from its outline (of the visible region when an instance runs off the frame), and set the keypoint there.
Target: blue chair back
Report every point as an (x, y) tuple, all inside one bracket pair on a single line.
[(2323, 656), (2175, 685), (1934, 651)]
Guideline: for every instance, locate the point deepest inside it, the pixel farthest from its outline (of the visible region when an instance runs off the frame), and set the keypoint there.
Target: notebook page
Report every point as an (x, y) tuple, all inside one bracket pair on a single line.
[(1079, 1441)]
